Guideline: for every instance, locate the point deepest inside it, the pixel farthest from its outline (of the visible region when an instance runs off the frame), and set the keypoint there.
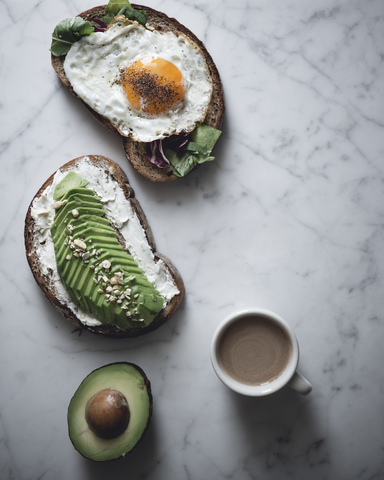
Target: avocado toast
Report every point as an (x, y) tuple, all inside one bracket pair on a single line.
[(92, 252)]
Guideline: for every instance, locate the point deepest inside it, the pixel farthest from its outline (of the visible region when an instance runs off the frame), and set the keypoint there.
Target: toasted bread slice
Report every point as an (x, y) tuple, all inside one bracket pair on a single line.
[(47, 278), (136, 152)]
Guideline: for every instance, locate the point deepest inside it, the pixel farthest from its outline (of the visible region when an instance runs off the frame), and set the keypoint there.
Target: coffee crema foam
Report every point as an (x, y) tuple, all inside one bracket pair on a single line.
[(254, 350)]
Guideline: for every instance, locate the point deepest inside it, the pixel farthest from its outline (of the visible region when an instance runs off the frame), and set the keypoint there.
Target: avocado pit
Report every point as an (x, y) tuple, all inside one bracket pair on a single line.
[(107, 413)]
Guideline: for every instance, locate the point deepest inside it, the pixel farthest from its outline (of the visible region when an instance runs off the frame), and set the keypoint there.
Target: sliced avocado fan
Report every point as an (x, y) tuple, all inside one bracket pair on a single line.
[(101, 278)]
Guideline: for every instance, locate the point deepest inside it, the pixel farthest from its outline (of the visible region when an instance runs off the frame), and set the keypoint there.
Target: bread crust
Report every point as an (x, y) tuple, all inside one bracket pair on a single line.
[(45, 282), (136, 152)]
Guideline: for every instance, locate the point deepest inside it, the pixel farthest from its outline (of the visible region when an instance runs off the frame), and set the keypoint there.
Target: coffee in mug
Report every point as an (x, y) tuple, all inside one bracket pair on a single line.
[(255, 352)]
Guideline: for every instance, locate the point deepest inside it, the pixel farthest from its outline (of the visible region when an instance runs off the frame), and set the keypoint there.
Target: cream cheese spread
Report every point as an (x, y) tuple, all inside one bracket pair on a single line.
[(120, 213)]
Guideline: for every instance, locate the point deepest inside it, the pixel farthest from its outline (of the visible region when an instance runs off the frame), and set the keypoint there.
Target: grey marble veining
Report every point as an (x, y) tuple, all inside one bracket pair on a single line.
[(288, 217)]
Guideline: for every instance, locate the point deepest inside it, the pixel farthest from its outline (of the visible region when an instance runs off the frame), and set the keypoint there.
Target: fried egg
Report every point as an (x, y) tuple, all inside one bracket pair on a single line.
[(149, 84)]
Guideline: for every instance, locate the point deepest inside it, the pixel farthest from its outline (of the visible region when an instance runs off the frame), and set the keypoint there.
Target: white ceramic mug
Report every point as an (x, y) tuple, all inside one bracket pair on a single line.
[(290, 376)]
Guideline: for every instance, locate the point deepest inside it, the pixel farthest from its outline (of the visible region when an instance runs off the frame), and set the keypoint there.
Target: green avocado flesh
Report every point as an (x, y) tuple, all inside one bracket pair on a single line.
[(101, 278), (71, 180), (126, 378)]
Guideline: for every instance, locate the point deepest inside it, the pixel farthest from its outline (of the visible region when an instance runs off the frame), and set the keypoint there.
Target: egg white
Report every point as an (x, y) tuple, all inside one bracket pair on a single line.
[(95, 63)]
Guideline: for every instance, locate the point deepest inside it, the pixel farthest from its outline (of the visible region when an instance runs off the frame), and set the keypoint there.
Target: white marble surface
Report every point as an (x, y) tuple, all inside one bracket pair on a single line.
[(289, 217)]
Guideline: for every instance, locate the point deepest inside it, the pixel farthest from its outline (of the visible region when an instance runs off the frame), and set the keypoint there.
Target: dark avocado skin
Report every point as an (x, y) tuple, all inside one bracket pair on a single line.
[(145, 386), (135, 302)]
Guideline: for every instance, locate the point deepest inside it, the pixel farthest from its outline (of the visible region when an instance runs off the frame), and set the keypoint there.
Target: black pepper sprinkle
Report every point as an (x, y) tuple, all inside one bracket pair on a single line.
[(153, 89)]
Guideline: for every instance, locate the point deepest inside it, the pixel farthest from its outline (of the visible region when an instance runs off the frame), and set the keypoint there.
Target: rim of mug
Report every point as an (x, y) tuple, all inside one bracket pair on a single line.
[(255, 390)]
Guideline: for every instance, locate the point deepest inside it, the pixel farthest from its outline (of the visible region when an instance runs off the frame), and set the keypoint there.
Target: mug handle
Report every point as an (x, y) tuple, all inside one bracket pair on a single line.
[(300, 384)]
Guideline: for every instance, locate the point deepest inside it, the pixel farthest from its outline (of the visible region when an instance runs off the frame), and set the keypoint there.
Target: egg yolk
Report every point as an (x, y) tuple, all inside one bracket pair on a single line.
[(153, 85)]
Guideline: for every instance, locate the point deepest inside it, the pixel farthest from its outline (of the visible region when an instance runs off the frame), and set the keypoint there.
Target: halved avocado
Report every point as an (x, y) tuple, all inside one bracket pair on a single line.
[(110, 411)]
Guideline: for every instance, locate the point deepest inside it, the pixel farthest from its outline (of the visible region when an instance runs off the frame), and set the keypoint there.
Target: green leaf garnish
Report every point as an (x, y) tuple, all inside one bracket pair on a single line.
[(114, 7), (67, 32), (198, 150), (139, 15), (123, 7)]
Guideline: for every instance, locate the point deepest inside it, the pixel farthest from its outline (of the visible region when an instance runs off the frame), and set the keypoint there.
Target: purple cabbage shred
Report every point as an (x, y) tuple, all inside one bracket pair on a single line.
[(156, 154), (101, 26), (155, 149)]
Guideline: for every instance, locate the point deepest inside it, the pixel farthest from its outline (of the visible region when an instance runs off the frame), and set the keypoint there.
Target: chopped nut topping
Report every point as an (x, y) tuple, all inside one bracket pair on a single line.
[(120, 277), (113, 281), (75, 213), (43, 214), (80, 244), (58, 205), (68, 257), (100, 290), (109, 289), (86, 255), (105, 279), (106, 264)]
